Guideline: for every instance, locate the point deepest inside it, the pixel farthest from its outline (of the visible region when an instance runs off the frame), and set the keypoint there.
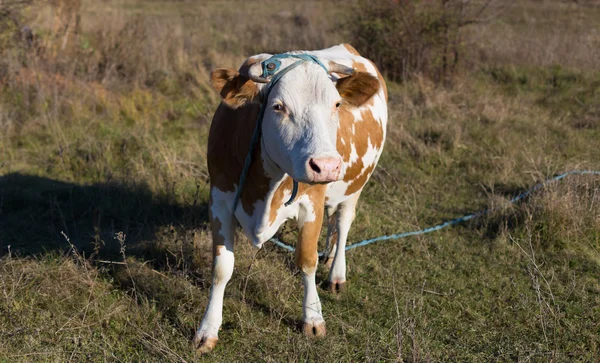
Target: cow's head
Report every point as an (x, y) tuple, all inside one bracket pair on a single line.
[(300, 123)]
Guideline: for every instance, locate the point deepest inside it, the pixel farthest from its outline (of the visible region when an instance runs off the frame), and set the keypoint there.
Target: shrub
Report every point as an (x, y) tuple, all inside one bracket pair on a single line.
[(405, 37)]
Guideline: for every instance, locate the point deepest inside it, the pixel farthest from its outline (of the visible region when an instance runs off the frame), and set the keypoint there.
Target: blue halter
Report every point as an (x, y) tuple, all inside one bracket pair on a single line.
[(270, 68)]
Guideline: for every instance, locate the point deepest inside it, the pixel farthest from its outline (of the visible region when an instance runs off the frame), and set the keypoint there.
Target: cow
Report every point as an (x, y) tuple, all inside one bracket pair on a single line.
[(323, 127)]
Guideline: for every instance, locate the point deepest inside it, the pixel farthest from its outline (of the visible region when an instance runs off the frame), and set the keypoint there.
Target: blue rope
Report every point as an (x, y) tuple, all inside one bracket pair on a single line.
[(454, 221), (248, 160), (294, 193), (270, 68)]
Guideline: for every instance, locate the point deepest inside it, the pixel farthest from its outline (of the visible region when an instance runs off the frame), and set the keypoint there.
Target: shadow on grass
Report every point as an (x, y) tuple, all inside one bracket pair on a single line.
[(509, 218), (35, 210)]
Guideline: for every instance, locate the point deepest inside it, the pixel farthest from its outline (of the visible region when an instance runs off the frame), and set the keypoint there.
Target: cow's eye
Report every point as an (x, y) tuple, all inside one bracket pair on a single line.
[(338, 104), (278, 107)]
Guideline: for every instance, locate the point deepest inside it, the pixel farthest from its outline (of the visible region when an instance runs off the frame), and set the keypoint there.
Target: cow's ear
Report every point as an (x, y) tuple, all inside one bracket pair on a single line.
[(358, 88), (235, 89)]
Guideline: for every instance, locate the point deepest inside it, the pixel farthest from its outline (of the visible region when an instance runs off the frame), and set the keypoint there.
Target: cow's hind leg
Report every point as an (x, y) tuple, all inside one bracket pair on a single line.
[(306, 260), (222, 227), (330, 246), (344, 217)]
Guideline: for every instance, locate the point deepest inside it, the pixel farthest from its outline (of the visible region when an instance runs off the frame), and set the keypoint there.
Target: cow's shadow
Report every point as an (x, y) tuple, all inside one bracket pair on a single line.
[(38, 214), (41, 217)]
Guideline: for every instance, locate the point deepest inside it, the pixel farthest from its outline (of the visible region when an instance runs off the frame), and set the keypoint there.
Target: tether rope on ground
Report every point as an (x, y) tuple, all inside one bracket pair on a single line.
[(453, 221)]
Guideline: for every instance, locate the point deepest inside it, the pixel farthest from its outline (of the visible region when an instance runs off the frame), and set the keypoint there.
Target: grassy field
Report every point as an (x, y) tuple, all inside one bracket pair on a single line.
[(105, 252)]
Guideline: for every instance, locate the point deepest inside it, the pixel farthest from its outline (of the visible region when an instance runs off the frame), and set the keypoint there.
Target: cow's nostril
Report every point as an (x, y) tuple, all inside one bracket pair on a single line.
[(314, 166)]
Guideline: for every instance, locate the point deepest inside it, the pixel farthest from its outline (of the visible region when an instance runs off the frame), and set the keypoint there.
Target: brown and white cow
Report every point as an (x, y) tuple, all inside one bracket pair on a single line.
[(324, 130)]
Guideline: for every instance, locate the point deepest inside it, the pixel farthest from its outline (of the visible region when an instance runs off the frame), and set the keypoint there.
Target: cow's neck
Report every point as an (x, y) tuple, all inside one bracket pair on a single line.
[(263, 196), (272, 170)]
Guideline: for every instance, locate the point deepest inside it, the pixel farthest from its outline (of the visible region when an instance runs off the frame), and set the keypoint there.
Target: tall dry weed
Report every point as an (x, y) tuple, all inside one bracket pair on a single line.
[(66, 21), (560, 217)]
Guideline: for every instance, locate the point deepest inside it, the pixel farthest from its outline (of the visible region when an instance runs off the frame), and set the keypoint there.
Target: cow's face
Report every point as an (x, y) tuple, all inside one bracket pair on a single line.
[(300, 125), (300, 122)]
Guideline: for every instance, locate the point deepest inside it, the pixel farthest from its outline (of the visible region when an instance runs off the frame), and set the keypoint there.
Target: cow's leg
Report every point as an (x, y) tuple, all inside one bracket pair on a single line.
[(306, 259), (222, 227), (344, 217), (331, 236)]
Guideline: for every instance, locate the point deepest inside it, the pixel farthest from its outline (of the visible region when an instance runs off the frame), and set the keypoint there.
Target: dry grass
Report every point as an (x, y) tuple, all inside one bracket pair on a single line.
[(540, 33), (105, 140)]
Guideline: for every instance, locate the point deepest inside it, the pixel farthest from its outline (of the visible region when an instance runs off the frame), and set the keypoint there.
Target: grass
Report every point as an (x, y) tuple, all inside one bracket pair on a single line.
[(115, 160)]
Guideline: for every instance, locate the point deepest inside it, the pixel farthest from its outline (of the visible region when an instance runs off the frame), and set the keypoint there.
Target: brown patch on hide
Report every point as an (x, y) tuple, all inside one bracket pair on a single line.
[(365, 131), (228, 145), (308, 238), (351, 49)]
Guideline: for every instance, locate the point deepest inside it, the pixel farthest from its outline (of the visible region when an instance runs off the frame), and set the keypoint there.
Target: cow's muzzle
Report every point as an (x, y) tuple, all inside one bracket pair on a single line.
[(324, 170)]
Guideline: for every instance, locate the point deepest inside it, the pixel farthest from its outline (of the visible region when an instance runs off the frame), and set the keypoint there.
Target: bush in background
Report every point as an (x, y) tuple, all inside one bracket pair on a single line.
[(405, 37)]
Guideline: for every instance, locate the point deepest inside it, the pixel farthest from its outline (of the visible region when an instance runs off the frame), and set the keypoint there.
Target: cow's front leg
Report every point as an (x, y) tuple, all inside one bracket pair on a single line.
[(222, 232), (345, 216), (306, 260)]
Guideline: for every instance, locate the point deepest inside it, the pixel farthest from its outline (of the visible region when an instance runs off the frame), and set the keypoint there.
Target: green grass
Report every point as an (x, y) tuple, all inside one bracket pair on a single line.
[(521, 284)]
